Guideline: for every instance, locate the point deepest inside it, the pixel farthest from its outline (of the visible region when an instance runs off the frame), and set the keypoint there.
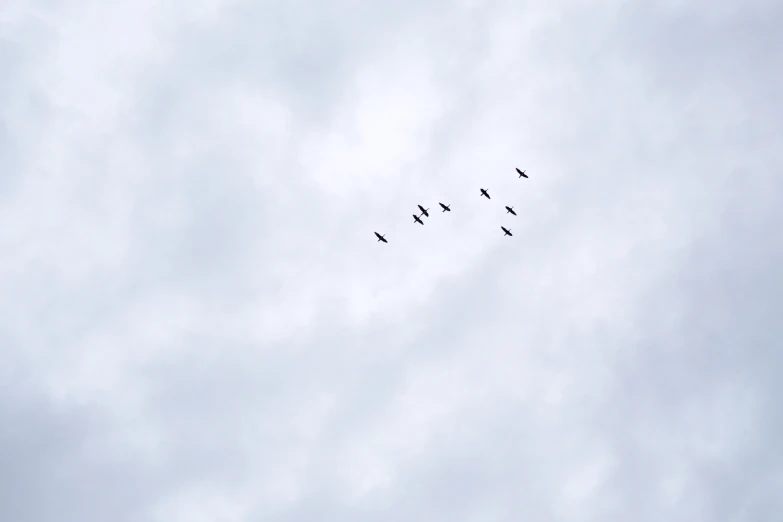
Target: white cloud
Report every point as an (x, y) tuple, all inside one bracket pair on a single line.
[(198, 323)]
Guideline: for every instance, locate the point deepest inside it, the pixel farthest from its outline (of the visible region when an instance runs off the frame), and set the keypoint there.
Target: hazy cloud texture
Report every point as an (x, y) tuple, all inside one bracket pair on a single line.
[(197, 324)]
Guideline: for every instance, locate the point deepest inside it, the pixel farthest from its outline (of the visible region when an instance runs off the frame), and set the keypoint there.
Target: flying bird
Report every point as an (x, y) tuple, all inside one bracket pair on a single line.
[(419, 221), (445, 207), (522, 173), (484, 193), (424, 211), (510, 209), (381, 238), (507, 232)]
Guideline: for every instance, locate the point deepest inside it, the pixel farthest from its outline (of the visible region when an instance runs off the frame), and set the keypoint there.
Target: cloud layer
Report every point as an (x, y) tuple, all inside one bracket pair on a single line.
[(197, 324)]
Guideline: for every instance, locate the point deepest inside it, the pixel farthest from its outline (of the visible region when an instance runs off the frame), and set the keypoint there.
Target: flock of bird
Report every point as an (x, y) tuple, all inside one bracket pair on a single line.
[(425, 211)]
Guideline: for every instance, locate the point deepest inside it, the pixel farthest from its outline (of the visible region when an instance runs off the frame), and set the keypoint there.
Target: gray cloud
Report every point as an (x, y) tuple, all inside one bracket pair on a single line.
[(198, 324)]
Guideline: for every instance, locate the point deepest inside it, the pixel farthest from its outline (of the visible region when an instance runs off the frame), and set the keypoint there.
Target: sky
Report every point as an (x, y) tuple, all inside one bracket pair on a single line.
[(197, 323)]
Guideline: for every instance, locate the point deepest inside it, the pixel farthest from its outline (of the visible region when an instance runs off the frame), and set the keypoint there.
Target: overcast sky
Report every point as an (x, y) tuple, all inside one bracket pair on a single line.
[(197, 323)]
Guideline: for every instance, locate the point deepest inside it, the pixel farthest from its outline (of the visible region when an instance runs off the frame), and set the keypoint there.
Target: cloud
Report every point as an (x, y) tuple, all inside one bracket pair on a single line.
[(199, 325)]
